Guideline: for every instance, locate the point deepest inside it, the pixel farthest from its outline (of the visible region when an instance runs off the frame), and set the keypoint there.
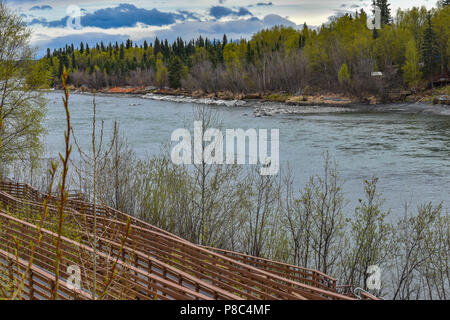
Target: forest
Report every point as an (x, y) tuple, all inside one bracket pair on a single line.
[(411, 47), (232, 207)]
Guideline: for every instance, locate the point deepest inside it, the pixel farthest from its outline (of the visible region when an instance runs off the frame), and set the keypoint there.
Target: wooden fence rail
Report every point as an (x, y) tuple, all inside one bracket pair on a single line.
[(108, 239), (182, 269), (129, 282), (305, 275)]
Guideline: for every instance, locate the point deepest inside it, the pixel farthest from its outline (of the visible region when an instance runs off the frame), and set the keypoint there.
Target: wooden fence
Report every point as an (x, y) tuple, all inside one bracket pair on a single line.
[(152, 262)]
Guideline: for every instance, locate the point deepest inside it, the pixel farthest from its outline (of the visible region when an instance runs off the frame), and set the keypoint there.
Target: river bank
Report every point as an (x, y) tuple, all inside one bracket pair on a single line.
[(409, 153), (282, 103)]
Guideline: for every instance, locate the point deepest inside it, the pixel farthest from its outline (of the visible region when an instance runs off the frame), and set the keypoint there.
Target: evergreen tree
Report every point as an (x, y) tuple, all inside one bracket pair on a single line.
[(384, 6), (121, 52), (144, 59), (250, 53), (375, 34), (428, 48), (224, 41), (264, 54), (200, 42), (157, 46), (74, 62), (175, 71), (166, 48)]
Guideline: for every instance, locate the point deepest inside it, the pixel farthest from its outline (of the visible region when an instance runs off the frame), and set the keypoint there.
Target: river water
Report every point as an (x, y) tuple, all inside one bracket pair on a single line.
[(409, 153)]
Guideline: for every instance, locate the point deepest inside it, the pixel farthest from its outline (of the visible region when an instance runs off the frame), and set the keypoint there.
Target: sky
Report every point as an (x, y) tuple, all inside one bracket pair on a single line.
[(111, 20)]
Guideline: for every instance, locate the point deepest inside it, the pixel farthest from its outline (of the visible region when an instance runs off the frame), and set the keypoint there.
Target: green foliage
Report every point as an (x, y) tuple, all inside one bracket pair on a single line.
[(428, 48), (22, 103), (411, 69), (440, 24), (370, 233), (161, 71), (175, 72), (278, 97), (344, 74), (276, 59)]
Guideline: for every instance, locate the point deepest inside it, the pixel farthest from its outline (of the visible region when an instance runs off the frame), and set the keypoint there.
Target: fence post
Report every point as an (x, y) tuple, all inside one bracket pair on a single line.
[(31, 284)]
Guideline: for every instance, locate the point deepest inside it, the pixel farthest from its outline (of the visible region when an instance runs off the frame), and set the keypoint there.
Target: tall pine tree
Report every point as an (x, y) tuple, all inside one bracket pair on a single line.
[(384, 6), (429, 48), (175, 71)]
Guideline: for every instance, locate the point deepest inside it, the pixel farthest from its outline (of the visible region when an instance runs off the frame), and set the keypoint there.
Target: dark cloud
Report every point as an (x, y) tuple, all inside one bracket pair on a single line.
[(42, 21), (220, 12), (235, 29), (188, 29), (43, 7), (124, 15), (244, 12), (261, 4), (127, 15), (189, 15)]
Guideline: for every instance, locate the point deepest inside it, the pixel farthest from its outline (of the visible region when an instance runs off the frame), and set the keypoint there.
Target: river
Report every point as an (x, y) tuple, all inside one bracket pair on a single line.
[(410, 153)]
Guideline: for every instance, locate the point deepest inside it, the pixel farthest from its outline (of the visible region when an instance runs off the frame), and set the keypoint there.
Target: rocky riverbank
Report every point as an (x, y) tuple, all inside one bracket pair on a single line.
[(281, 103)]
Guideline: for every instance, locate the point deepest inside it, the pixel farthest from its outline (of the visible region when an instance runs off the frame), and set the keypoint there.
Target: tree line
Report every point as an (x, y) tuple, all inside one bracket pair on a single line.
[(411, 47)]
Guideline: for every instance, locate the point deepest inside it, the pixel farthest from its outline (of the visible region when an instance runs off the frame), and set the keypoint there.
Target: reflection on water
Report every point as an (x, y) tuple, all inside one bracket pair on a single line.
[(409, 153)]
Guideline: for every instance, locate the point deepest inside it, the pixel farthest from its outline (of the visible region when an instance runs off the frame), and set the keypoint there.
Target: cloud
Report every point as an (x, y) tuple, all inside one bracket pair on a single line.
[(235, 29), (338, 14), (41, 21), (220, 12), (272, 20), (43, 7), (189, 15), (261, 4), (44, 37), (89, 37), (124, 15), (21, 1)]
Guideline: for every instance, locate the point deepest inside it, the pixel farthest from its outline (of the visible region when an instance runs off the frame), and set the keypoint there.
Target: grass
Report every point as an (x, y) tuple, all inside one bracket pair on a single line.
[(278, 97)]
